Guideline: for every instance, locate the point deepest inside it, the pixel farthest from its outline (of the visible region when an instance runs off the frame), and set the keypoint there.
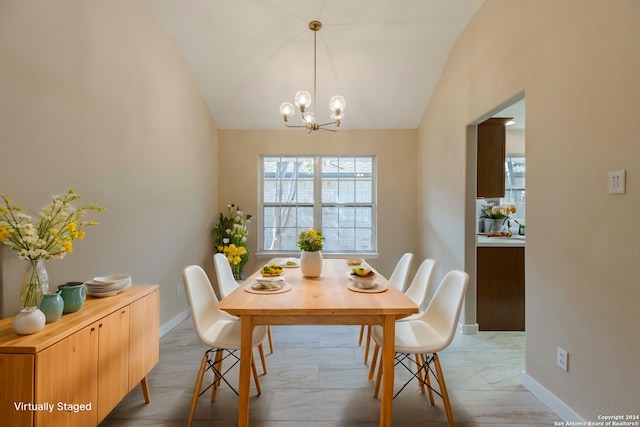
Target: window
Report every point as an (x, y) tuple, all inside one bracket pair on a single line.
[(515, 185), (335, 194)]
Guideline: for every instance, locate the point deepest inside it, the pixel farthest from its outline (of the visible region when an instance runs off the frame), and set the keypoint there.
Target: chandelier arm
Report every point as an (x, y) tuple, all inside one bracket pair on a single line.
[(293, 126), (335, 122)]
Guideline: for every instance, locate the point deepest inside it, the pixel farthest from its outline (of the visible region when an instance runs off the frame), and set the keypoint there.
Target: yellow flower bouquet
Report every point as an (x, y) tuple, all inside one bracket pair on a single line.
[(231, 238), (310, 240), (52, 237)]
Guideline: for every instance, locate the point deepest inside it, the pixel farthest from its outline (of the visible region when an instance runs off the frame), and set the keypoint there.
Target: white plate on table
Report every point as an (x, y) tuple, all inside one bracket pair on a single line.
[(276, 288), (295, 261)]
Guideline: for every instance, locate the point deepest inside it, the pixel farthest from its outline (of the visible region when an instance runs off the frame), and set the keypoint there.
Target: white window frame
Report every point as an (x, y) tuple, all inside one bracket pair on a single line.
[(317, 207)]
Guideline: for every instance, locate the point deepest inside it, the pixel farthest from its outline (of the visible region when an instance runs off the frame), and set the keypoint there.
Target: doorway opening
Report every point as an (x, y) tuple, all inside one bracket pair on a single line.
[(496, 263)]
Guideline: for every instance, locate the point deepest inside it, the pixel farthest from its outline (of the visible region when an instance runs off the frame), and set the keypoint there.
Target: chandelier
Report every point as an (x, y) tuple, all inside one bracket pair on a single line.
[(303, 99)]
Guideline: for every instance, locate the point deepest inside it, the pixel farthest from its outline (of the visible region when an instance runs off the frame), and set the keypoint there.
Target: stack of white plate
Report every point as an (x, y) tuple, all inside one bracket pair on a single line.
[(106, 286)]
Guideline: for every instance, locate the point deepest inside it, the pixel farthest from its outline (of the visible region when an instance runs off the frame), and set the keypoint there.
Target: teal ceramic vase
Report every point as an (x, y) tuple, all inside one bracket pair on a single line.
[(52, 306), (73, 294)]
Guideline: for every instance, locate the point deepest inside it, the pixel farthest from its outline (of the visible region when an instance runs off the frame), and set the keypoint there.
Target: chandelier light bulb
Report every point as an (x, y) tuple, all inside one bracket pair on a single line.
[(309, 117), (337, 117), (302, 99), (337, 104), (287, 110)]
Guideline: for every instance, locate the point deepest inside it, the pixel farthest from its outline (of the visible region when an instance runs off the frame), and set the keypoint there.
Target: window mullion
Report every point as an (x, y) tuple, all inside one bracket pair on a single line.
[(317, 193)]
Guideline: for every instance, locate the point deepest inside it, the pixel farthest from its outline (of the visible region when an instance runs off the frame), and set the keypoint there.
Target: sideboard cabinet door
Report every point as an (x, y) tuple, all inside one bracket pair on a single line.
[(16, 377), (113, 360), (144, 338), (66, 375)]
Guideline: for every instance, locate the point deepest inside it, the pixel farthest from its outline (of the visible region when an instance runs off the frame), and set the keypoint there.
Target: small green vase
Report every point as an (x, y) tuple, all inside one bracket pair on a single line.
[(52, 306)]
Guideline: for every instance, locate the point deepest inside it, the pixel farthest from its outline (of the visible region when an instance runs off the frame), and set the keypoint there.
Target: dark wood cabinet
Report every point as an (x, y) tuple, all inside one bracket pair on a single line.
[(500, 293), (491, 157)]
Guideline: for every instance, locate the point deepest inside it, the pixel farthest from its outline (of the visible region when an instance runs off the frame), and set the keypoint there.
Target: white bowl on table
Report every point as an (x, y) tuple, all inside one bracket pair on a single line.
[(364, 282)]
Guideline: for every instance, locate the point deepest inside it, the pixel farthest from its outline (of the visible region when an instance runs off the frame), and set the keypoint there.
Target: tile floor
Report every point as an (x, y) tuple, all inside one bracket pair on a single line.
[(317, 378)]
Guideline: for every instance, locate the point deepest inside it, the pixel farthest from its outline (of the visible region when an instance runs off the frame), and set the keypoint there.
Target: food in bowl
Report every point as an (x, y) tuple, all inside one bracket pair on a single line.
[(361, 271), (364, 282), (271, 270), (267, 286)]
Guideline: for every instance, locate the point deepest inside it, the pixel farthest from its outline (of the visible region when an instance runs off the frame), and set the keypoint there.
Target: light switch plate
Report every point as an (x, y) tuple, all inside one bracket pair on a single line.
[(617, 182)]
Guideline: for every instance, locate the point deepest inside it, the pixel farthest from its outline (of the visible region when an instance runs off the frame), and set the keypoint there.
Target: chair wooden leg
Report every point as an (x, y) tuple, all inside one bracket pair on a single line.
[(217, 364), (361, 335), (270, 343), (376, 389), (374, 359), (262, 359), (427, 375), (255, 375), (366, 346), (196, 390), (420, 363), (443, 391)]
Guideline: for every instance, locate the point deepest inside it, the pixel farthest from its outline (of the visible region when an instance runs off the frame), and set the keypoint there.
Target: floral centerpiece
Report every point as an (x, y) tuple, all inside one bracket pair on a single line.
[(231, 238), (310, 243), (493, 211), (310, 240), (52, 237), (499, 214)]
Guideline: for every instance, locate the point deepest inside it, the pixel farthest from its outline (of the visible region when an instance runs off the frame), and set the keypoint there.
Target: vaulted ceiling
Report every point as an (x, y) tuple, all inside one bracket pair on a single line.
[(248, 56)]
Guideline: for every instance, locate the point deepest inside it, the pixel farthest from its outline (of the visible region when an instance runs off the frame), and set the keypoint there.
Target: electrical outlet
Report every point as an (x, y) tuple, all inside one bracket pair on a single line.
[(617, 182), (180, 290), (563, 359)]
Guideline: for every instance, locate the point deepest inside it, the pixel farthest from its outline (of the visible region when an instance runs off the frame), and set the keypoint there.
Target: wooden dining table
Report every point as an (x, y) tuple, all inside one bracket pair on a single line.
[(324, 300)]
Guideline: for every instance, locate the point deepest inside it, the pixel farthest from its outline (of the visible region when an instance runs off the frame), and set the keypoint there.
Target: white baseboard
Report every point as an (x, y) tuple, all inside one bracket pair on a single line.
[(174, 322), (550, 400), (469, 329)]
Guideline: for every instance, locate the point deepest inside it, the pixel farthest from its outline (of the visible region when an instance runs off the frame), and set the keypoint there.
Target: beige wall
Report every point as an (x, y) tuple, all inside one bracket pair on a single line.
[(395, 152), (95, 96), (576, 62)]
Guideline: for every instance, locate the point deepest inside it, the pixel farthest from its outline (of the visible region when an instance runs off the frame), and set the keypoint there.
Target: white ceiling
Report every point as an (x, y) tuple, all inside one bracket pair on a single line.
[(248, 56)]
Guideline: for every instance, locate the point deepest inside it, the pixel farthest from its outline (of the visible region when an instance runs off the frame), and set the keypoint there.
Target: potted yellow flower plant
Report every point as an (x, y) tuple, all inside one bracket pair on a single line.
[(310, 243), (231, 238)]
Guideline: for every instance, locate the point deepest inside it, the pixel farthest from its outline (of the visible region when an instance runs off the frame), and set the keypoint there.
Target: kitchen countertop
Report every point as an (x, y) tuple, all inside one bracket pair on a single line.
[(515, 241)]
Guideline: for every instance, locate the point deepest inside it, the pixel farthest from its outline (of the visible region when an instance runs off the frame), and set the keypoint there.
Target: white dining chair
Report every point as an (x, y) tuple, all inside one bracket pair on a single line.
[(227, 284), (400, 273), (418, 292), (426, 335), (420, 287), (218, 331), (398, 279)]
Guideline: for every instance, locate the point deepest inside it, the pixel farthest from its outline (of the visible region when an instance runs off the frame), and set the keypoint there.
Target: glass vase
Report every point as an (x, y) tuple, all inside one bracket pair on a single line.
[(237, 272), (35, 283), (497, 225)]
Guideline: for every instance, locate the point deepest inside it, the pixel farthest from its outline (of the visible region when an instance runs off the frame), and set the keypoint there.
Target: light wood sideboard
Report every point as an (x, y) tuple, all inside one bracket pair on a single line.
[(76, 370)]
